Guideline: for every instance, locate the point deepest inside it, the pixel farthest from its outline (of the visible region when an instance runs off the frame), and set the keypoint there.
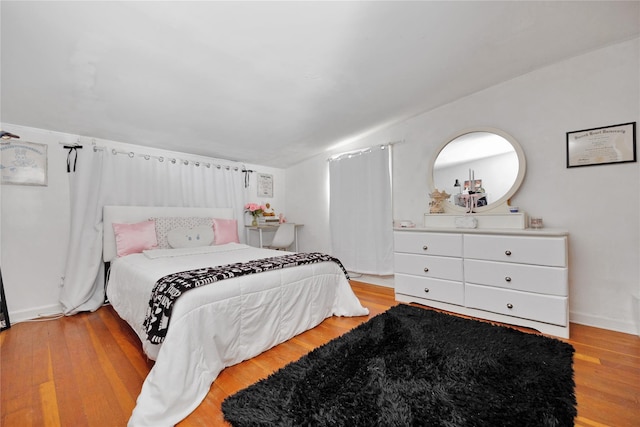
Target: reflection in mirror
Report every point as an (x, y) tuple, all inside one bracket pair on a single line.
[(487, 160)]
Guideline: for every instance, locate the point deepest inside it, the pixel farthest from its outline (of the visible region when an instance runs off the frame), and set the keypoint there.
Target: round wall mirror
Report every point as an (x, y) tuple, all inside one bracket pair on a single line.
[(481, 160)]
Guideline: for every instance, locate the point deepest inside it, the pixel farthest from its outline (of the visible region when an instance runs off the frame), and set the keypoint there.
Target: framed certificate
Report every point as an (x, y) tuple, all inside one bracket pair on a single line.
[(602, 146)]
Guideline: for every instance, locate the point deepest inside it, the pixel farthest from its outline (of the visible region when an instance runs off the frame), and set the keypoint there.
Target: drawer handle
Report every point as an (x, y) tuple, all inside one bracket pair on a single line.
[(508, 279), (425, 247), (509, 306), (426, 290), (426, 270), (507, 253)]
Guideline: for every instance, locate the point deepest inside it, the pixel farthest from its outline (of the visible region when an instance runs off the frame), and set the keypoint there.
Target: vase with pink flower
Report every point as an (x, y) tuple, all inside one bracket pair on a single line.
[(255, 210)]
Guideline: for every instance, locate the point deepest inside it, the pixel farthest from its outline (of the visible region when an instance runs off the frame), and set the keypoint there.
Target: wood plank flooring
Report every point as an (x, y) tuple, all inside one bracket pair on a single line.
[(87, 370)]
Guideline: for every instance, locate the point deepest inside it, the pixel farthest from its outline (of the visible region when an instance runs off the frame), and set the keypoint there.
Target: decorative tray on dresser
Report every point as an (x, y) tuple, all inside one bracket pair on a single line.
[(513, 276)]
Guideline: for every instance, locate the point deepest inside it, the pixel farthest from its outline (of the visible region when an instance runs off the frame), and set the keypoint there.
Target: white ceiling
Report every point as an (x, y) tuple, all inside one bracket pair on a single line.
[(274, 83)]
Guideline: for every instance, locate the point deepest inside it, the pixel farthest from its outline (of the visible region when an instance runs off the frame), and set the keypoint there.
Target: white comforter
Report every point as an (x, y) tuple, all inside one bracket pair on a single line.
[(222, 324)]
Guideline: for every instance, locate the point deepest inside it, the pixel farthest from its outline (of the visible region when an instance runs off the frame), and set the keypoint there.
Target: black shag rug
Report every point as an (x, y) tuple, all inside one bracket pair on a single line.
[(415, 367)]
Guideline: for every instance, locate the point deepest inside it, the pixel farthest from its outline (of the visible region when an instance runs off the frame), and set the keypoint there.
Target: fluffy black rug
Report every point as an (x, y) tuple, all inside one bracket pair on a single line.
[(415, 367)]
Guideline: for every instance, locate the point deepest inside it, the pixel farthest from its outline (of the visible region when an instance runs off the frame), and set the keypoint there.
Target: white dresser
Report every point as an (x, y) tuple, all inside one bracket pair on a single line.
[(518, 277)]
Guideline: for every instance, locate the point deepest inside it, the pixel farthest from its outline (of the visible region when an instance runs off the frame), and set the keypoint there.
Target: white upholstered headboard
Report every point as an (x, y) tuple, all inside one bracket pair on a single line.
[(132, 214)]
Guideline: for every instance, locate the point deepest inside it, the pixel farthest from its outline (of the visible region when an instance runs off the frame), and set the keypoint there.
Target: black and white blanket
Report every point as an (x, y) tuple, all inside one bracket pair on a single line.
[(167, 290)]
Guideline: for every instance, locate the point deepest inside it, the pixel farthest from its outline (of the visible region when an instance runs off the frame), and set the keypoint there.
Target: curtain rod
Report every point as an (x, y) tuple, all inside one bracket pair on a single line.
[(360, 151), (172, 160)]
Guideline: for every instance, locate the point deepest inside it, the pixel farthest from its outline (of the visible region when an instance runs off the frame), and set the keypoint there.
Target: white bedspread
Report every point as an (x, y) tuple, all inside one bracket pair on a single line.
[(221, 324)]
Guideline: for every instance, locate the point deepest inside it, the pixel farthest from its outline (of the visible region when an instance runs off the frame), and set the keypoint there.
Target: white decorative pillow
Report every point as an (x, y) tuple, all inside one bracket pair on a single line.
[(190, 237), (166, 224)]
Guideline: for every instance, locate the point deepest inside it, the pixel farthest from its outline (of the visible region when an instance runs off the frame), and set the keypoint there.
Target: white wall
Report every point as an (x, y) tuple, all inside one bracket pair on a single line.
[(34, 229), (34, 222), (599, 205)]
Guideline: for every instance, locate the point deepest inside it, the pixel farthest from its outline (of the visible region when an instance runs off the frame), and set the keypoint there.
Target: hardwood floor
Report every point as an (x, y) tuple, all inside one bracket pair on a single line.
[(87, 370)]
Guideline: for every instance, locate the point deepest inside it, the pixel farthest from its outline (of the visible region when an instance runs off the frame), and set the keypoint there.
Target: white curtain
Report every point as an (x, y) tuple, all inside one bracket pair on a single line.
[(361, 212), (104, 178)]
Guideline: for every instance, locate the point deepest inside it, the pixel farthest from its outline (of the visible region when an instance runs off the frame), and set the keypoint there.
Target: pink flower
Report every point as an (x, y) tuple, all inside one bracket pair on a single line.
[(254, 209)]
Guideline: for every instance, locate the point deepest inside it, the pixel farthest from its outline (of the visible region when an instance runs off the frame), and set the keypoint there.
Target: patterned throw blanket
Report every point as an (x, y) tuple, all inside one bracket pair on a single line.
[(167, 290)]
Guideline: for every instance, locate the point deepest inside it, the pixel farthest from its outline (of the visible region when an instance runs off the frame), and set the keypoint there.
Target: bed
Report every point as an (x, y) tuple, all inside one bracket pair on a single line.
[(217, 325)]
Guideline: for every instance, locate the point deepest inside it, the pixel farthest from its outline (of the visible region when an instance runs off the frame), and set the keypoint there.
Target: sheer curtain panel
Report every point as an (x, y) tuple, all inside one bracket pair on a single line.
[(104, 178), (360, 211)]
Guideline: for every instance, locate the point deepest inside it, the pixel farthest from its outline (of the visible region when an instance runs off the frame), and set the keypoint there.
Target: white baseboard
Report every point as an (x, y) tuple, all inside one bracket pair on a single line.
[(386, 281), (34, 313), (580, 318), (627, 327)]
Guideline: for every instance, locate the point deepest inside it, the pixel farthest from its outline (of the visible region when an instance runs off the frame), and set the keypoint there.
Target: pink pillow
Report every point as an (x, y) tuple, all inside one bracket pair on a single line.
[(135, 238), (225, 231)]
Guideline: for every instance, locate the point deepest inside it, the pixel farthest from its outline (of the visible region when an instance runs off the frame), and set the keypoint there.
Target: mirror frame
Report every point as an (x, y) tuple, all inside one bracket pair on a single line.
[(501, 202)]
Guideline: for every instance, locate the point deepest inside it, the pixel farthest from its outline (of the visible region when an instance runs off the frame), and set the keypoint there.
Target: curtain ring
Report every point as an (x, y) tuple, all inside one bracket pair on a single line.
[(161, 159), (113, 151), (186, 162), (131, 154), (173, 161), (147, 157), (197, 164)]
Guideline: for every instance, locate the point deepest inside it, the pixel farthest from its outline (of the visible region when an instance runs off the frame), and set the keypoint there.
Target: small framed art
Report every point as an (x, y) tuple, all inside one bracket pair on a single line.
[(23, 163), (602, 146), (265, 185)]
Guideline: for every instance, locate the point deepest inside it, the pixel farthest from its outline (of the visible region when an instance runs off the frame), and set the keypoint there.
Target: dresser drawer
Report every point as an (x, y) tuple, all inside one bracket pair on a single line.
[(551, 251), (542, 308), (443, 244), (520, 277), (438, 267), (428, 288)]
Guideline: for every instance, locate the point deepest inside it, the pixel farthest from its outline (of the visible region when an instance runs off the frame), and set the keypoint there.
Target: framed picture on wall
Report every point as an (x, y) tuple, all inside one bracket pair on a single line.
[(602, 146), (23, 163), (265, 185)]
